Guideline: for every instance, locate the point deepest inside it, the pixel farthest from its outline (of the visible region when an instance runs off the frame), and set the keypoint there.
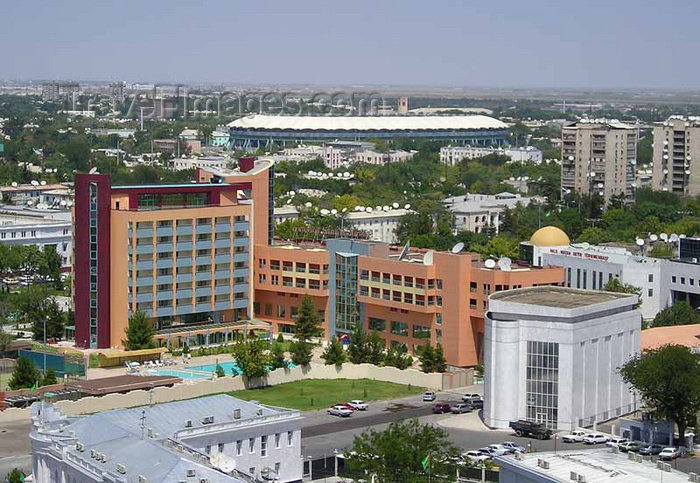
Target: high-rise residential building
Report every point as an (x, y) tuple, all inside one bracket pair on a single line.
[(676, 166), (50, 91), (402, 105), (599, 158), (116, 90)]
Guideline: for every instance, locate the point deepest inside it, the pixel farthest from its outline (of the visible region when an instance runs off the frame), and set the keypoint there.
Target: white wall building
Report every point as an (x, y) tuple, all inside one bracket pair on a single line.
[(477, 212), (552, 355), (452, 155), (284, 213), (170, 442), (31, 226), (206, 162), (381, 224)]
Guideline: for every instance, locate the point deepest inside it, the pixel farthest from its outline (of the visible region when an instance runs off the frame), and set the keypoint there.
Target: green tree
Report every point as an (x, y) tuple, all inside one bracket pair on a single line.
[(51, 265), (139, 332), (668, 381), (440, 362), (5, 339), (406, 452), (334, 353), (306, 324), (252, 358), (593, 235), (614, 285), (48, 311), (357, 350), (301, 352), (280, 338), (25, 374), (376, 347), (49, 378), (500, 246), (220, 371), (397, 357), (679, 313), (426, 356), (277, 353), (16, 476)]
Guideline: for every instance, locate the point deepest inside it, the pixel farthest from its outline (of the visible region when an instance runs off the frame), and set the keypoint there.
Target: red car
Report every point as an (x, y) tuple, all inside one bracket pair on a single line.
[(441, 408), (346, 405)]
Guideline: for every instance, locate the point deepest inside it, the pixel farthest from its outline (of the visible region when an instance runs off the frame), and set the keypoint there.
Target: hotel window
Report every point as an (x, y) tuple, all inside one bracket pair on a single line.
[(263, 446), (314, 268), (301, 267), (274, 264), (673, 279), (262, 262), (281, 311), (399, 328), (682, 280), (408, 282), (420, 283), (438, 283), (472, 286), (364, 291), (290, 438), (650, 292), (268, 309), (651, 277), (378, 325), (300, 283), (221, 447), (421, 332), (278, 438), (293, 311), (251, 445), (431, 283), (386, 294), (203, 236), (397, 279), (472, 303), (239, 447), (386, 278), (408, 298)]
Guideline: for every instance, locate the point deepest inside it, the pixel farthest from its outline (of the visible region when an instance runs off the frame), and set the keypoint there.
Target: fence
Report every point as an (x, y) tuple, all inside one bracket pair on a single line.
[(63, 364)]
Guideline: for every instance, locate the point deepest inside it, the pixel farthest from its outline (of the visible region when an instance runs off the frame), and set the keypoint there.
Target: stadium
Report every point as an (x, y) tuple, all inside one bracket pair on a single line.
[(266, 131)]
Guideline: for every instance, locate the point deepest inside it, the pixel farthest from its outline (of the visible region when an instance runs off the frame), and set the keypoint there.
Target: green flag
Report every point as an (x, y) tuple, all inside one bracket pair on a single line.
[(426, 462), (34, 386)]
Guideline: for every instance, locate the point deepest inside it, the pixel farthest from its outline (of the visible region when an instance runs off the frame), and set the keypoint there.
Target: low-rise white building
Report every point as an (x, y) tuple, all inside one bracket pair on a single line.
[(478, 213), (214, 439), (41, 227), (452, 155), (284, 213), (206, 162), (381, 224), (552, 355), (31, 193)]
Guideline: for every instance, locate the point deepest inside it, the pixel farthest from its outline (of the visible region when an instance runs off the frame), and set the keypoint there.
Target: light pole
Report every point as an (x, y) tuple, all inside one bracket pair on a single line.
[(44, 346)]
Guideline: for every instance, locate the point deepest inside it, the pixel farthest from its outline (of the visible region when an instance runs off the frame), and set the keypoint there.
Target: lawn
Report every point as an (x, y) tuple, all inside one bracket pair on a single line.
[(311, 394)]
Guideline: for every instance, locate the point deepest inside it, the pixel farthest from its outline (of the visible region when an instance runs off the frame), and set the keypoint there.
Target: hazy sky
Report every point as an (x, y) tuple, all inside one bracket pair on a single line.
[(506, 43)]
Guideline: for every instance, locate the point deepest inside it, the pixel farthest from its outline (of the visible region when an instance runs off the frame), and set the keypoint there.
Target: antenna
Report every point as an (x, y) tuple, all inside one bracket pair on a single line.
[(404, 252), (490, 263), (504, 264), (457, 248), (428, 257)]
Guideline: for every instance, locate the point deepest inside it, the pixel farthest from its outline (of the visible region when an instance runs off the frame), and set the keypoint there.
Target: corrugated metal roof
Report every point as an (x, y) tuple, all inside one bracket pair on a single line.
[(366, 123)]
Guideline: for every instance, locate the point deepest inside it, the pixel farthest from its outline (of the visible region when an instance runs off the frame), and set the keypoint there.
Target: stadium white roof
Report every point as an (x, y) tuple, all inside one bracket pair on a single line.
[(366, 123)]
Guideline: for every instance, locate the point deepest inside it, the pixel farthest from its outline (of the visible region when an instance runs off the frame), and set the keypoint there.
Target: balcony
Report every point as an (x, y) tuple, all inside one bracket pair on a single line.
[(204, 260), (203, 292), (144, 233), (184, 230), (144, 281), (163, 263), (240, 257), (163, 279), (203, 245), (164, 295), (225, 305), (164, 231), (240, 303), (241, 242), (184, 246), (184, 294), (183, 277), (222, 259), (203, 276), (240, 272), (184, 262), (146, 248), (241, 288), (219, 274), (203, 229), (144, 297), (223, 227), (222, 290), (241, 226), (222, 243), (144, 265), (164, 247), (164, 312)]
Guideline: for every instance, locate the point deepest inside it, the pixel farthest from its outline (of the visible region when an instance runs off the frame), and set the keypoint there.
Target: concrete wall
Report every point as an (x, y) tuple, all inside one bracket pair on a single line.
[(87, 405)]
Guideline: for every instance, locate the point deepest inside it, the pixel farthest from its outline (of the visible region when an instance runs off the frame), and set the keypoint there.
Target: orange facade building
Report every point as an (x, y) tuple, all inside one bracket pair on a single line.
[(183, 255)]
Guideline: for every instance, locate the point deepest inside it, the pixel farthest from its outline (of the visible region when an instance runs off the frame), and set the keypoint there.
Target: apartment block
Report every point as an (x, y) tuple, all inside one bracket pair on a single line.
[(676, 162), (599, 158)]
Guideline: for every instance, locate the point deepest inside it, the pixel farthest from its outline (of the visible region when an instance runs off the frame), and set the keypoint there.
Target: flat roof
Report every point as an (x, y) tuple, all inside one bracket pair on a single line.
[(686, 335), (366, 123), (560, 297), (107, 385), (595, 465)]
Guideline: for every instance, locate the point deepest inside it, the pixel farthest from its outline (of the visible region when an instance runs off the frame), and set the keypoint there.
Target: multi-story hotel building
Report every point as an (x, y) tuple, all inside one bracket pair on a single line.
[(676, 166), (182, 254), (599, 158)]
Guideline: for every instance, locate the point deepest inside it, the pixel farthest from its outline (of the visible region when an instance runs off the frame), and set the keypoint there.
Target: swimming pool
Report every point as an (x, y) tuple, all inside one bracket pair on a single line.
[(184, 375), (230, 368)]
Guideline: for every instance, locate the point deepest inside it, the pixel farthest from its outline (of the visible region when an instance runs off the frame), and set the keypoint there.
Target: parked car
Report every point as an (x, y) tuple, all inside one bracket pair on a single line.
[(595, 438), (340, 410), (358, 404), (491, 452), (513, 447), (669, 453), (461, 408), (441, 408), (632, 446), (500, 448), (616, 442), (651, 450), (475, 456), (347, 405), (524, 428), (574, 437), (429, 396), (475, 399)]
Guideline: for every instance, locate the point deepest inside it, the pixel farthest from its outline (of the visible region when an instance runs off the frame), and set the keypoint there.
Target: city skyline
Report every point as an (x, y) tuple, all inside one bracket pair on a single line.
[(591, 46)]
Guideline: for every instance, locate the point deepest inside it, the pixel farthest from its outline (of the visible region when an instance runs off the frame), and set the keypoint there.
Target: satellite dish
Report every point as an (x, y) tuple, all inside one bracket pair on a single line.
[(43, 183), (362, 208), (673, 238), (490, 263), (406, 206), (14, 184), (585, 245), (653, 237), (428, 257), (395, 205), (378, 208), (30, 202), (682, 235), (325, 211), (663, 236), (35, 182), (289, 201), (357, 208), (93, 170), (457, 248), (311, 173), (307, 204), (63, 203), (404, 251), (504, 264), (292, 193), (222, 462), (639, 242), (344, 210), (368, 209), (385, 208), (334, 211)]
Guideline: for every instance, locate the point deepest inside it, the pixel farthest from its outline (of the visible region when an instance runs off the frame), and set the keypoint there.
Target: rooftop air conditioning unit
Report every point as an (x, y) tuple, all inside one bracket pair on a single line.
[(659, 465), (190, 473), (581, 479), (150, 432), (630, 456), (639, 458), (693, 477), (143, 479), (188, 423), (121, 469), (93, 454), (667, 467), (204, 480), (573, 476), (236, 414), (79, 446)]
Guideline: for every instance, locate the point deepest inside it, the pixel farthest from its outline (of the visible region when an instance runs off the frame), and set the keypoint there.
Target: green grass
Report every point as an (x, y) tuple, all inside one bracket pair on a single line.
[(312, 394)]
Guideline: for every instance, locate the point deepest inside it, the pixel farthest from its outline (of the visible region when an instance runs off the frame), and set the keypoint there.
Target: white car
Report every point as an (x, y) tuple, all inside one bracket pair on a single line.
[(339, 410), (500, 448), (513, 447), (616, 442), (358, 404), (574, 437), (491, 452), (475, 456), (669, 453), (595, 438), (429, 396)]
